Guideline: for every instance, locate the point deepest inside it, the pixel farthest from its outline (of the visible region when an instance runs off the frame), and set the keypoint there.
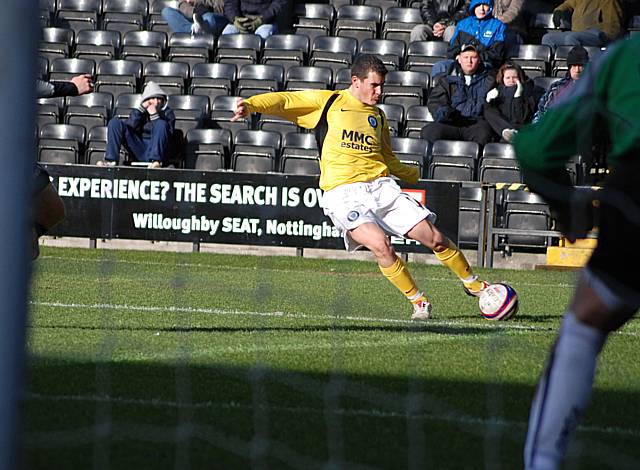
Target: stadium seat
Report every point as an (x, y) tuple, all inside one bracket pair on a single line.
[(358, 21), (412, 152), (395, 117), (207, 149), (222, 110), (415, 119), (61, 143), (66, 69), (342, 79), (43, 68), (306, 78), (125, 15), (454, 160), (97, 45), (191, 111), (254, 79), (255, 151), (315, 19), (469, 216), (96, 145), (212, 80), (391, 52), (155, 21), (56, 43), (406, 88), (286, 50), (333, 52), (90, 110), (384, 5), (542, 84), (171, 76), (124, 103), (78, 14), (118, 76), (144, 46), (525, 210), (183, 47), (398, 23), (421, 55), (238, 49), (534, 59), (498, 150), (499, 170), (47, 113), (539, 25), (300, 154)]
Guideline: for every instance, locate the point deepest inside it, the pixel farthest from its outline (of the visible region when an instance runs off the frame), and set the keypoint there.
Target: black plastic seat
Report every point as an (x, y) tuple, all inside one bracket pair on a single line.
[(534, 59), (125, 103), (144, 46), (358, 21), (469, 216), (259, 78), (191, 111), (286, 50), (56, 43), (207, 149), (499, 170), (171, 76), (406, 88), (416, 118), (183, 47), (314, 19), (222, 110), (124, 15), (540, 24), (306, 78), (238, 49), (412, 152), (97, 45), (398, 23), (212, 79), (118, 76), (525, 210), (66, 69), (300, 154), (454, 160), (390, 52), (78, 14), (255, 151), (333, 52), (342, 79), (395, 117), (61, 143), (89, 110), (421, 55), (96, 145)]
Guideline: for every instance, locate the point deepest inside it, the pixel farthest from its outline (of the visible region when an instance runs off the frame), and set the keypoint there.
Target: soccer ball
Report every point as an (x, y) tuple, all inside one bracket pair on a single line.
[(498, 302)]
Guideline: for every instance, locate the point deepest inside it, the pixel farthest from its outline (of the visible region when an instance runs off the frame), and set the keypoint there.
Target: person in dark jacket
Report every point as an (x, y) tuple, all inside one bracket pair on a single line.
[(78, 85), (457, 101), (253, 16), (146, 133), (440, 18), (511, 104)]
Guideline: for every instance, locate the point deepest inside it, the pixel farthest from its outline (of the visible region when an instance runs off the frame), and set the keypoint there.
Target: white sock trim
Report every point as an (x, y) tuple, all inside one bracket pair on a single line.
[(470, 279), (414, 298)]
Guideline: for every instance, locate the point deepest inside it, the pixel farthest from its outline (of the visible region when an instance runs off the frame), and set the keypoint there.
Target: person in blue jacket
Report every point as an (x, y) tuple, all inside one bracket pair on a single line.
[(481, 30)]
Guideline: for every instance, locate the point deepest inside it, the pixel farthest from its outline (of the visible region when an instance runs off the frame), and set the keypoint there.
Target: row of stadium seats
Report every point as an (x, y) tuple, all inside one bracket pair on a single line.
[(285, 50)]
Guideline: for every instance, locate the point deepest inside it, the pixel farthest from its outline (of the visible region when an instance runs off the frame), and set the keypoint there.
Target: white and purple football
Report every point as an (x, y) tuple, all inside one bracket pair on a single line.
[(498, 302)]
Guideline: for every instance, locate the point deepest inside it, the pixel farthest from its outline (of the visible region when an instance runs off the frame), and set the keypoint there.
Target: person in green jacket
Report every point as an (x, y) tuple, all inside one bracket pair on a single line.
[(604, 104)]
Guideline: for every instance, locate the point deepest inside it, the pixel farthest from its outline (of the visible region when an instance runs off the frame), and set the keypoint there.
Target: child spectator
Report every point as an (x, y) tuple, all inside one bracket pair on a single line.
[(511, 104)]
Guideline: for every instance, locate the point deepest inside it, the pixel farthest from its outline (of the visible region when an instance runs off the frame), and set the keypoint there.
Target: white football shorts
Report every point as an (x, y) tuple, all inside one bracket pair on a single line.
[(380, 201)]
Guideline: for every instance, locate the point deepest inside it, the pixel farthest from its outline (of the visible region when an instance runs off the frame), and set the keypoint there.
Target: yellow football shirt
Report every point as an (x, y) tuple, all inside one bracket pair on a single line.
[(357, 147)]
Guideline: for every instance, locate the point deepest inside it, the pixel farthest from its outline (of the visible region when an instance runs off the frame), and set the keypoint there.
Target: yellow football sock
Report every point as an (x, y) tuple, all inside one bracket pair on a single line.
[(399, 276), (453, 259)]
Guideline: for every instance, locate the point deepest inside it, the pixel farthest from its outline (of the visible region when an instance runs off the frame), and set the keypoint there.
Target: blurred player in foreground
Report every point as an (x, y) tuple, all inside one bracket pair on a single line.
[(357, 162), (602, 105)]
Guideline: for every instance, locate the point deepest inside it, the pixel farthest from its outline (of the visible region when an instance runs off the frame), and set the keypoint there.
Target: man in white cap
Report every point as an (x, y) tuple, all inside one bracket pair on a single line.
[(146, 133)]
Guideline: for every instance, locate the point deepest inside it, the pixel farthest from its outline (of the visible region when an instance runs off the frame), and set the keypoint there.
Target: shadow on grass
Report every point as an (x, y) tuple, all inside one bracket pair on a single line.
[(142, 416)]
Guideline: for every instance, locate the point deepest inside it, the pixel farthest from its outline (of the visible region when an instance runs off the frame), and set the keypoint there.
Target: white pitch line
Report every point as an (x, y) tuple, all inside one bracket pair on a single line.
[(367, 413), (219, 311), (250, 268)]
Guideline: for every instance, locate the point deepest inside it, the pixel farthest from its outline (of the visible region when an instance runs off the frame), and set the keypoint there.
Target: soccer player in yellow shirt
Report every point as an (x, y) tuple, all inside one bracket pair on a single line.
[(356, 165)]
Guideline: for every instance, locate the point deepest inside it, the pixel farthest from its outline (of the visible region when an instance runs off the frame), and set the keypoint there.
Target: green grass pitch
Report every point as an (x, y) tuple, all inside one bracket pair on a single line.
[(142, 360)]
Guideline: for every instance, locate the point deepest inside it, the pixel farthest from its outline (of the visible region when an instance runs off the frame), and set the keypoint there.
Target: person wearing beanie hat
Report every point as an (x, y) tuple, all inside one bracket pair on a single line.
[(147, 131), (577, 59), (593, 23)]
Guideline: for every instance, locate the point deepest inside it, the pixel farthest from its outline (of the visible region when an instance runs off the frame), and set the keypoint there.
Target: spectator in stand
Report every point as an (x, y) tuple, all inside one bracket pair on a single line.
[(511, 104), (577, 58), (78, 85), (253, 16), (593, 23), (511, 13), (439, 18), (196, 17), (482, 30), (147, 132), (457, 101)]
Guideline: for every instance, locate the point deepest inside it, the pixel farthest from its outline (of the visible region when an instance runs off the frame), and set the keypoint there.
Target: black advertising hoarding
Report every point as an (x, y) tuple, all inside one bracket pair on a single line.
[(215, 207)]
